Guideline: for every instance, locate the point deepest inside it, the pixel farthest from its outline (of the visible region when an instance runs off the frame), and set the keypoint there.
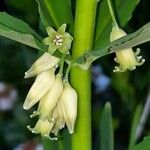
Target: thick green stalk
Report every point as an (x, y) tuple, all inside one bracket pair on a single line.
[(81, 80)]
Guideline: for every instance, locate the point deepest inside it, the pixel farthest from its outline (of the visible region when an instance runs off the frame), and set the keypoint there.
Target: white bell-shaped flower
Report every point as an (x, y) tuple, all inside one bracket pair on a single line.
[(43, 82), (59, 118), (68, 101), (44, 63), (49, 101), (127, 58), (43, 127)]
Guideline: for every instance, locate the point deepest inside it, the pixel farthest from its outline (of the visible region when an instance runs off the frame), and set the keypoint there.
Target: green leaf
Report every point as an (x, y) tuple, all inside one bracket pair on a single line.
[(55, 12), (44, 14), (17, 30), (123, 9), (144, 145), (106, 129), (134, 126), (140, 36)]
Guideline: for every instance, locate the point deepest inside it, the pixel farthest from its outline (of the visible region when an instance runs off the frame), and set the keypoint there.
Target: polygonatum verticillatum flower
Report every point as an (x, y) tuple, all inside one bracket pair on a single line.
[(57, 100), (59, 39), (126, 58)]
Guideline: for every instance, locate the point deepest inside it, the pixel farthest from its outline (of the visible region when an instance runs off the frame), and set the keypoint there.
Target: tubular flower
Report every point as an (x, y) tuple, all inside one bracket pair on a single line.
[(59, 39), (68, 101), (43, 82), (127, 58), (44, 63), (59, 118), (43, 127), (49, 101)]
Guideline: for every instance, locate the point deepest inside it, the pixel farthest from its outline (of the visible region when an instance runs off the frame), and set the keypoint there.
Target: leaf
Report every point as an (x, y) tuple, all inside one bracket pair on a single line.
[(134, 126), (144, 145), (44, 14), (123, 9), (106, 129), (17, 30), (140, 36), (55, 12)]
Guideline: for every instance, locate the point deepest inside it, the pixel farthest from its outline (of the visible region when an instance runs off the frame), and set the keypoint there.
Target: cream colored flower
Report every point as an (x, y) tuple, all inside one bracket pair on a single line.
[(126, 58), (59, 39), (68, 101), (43, 82), (49, 101), (43, 127), (59, 118), (44, 63)]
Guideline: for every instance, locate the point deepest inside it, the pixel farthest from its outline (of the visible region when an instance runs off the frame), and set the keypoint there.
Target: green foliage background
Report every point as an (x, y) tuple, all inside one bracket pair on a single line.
[(129, 88)]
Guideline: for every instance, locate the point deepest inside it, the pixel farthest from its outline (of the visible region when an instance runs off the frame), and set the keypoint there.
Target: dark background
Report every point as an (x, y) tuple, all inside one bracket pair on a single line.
[(125, 90)]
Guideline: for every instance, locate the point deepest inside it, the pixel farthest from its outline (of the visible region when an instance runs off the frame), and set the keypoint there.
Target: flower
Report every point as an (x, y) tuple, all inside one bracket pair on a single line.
[(59, 39), (44, 63), (43, 127), (49, 101), (127, 58), (59, 118), (43, 82), (68, 101)]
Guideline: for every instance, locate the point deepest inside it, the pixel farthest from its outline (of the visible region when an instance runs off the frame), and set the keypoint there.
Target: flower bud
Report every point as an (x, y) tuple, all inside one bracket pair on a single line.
[(126, 58), (43, 127), (44, 63), (43, 82), (49, 101), (68, 101)]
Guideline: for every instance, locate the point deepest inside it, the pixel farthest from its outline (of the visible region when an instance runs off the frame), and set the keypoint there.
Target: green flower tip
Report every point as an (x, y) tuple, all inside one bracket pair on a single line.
[(59, 39)]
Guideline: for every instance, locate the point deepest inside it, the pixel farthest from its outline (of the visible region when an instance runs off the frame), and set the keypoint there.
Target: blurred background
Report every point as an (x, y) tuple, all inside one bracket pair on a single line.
[(125, 91)]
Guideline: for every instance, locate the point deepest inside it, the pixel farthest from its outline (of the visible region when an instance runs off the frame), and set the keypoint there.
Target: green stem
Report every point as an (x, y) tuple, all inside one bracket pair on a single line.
[(115, 24), (62, 64), (81, 80)]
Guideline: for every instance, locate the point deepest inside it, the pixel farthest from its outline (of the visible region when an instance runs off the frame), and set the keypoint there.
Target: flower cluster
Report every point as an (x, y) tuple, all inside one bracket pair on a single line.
[(127, 58), (57, 99)]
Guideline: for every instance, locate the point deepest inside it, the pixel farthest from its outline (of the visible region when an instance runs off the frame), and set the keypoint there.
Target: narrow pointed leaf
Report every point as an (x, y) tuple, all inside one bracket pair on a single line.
[(55, 12), (106, 129), (134, 126), (140, 36), (17, 30)]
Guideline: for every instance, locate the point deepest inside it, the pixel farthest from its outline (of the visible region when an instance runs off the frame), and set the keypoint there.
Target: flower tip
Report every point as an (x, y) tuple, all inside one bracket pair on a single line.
[(26, 75), (71, 131), (27, 105)]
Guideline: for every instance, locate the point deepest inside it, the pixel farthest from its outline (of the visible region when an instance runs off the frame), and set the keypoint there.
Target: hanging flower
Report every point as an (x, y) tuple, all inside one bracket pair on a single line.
[(43, 127), (59, 118), (68, 101), (49, 101), (127, 58), (44, 63), (59, 39), (43, 82)]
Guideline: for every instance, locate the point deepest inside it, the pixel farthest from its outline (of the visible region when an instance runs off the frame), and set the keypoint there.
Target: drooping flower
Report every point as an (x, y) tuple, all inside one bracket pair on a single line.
[(49, 101), (43, 127), (59, 119), (68, 101), (43, 82), (127, 58), (44, 63), (59, 39)]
